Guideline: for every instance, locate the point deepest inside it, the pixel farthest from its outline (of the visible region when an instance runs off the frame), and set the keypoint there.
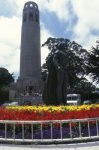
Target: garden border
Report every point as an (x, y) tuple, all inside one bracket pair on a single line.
[(51, 140)]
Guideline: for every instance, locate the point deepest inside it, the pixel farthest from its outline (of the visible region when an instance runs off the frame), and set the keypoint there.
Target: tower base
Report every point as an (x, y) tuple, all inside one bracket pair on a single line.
[(26, 91)]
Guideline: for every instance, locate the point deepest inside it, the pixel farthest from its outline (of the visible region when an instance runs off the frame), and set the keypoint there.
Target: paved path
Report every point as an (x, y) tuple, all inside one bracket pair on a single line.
[(82, 146)]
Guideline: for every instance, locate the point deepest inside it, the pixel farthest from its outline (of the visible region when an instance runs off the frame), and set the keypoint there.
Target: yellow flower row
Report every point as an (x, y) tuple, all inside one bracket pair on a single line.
[(53, 108)]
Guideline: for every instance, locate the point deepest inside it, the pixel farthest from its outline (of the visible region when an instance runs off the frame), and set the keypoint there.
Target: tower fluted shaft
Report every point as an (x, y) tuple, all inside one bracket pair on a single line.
[(30, 42), (30, 58)]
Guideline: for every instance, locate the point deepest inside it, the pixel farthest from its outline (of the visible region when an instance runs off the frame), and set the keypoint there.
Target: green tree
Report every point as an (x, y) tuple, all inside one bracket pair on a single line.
[(5, 79), (77, 59), (85, 88), (93, 63)]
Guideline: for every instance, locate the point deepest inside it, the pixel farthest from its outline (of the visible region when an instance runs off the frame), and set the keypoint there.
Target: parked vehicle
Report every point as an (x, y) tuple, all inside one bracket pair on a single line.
[(10, 104), (73, 99), (13, 104), (85, 102), (5, 104)]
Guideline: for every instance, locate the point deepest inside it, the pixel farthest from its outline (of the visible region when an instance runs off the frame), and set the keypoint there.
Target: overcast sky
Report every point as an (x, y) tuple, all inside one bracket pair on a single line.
[(76, 20)]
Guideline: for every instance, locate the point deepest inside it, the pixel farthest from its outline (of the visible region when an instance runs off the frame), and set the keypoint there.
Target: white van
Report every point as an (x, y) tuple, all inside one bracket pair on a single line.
[(73, 99)]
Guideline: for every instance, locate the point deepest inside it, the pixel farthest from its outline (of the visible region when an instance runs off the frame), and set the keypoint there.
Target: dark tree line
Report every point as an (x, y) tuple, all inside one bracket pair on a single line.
[(80, 63), (5, 79)]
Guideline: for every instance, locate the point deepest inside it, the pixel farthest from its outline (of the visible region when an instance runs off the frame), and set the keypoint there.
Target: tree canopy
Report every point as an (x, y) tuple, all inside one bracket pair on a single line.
[(5, 79), (93, 63), (77, 59)]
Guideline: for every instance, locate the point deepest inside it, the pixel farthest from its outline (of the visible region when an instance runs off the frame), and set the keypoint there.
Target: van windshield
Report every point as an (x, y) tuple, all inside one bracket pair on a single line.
[(70, 98)]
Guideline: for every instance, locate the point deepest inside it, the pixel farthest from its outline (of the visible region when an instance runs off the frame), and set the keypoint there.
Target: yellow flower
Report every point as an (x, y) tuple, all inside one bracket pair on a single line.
[(53, 108)]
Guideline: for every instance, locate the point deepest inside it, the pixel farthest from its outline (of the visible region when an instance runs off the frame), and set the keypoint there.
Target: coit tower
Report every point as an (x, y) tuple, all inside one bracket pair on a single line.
[(30, 57)]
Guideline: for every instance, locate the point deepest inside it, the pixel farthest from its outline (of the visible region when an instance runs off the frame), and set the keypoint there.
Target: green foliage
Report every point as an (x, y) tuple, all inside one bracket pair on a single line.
[(77, 60), (5, 79), (93, 63), (85, 88)]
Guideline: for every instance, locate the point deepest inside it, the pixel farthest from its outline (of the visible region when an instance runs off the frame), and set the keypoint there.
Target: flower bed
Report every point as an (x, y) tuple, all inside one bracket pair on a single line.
[(38, 113), (49, 112)]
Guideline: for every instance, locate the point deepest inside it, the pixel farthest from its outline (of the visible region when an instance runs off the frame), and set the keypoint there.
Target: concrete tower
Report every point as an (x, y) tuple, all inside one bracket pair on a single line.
[(30, 57)]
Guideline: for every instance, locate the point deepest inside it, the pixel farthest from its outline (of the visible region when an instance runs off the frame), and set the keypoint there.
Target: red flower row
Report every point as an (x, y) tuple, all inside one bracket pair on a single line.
[(8, 114)]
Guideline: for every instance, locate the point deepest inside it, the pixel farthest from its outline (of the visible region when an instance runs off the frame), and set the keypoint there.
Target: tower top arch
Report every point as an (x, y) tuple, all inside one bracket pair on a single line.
[(30, 5)]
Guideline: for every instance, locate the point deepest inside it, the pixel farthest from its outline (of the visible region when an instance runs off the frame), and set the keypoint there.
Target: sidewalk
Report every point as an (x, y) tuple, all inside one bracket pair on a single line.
[(79, 146)]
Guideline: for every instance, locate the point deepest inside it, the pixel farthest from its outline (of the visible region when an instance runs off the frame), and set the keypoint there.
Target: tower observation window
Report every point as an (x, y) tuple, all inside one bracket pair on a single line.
[(31, 16), (31, 5)]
